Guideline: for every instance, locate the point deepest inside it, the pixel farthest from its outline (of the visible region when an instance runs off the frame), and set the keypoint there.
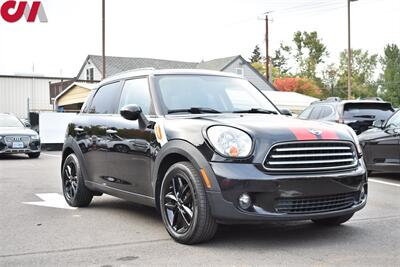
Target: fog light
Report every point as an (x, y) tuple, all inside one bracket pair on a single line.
[(362, 193), (244, 201)]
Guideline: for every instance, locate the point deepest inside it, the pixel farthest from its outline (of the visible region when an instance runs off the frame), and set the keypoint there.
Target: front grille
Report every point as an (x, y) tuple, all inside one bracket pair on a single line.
[(315, 204), (311, 156), (10, 139)]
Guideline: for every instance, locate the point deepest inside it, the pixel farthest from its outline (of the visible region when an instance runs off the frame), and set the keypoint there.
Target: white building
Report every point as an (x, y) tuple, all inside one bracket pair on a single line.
[(22, 94)]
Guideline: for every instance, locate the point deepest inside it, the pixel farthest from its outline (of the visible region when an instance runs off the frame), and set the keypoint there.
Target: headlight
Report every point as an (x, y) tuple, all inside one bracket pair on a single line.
[(356, 141), (35, 137), (229, 141)]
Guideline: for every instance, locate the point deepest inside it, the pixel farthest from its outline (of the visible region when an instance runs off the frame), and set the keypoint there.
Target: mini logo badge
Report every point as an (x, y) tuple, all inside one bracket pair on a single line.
[(315, 132)]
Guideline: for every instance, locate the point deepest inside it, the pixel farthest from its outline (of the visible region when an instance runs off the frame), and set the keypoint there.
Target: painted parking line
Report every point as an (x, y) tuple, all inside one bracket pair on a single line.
[(51, 155), (382, 182)]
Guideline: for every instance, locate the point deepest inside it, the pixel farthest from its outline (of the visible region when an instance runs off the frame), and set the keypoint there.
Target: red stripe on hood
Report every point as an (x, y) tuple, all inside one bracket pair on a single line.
[(328, 134), (303, 134)]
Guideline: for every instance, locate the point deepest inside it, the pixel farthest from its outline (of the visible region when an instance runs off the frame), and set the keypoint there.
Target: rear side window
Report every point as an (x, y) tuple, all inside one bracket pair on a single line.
[(372, 111), (304, 115), (136, 91), (106, 99), (315, 113), (326, 111)]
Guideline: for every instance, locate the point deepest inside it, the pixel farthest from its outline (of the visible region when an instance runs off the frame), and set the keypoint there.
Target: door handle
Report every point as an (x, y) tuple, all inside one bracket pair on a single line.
[(111, 131), (78, 129)]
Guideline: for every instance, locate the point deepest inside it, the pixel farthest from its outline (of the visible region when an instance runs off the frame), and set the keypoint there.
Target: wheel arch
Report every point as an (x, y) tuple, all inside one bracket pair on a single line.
[(177, 151)]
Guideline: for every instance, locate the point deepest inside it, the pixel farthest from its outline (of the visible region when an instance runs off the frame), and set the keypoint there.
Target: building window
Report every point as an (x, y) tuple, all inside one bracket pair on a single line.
[(90, 74), (240, 71)]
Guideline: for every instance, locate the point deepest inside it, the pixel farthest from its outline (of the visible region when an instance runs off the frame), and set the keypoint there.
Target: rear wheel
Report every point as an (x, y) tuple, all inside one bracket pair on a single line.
[(75, 192), (184, 207), (34, 155), (332, 221)]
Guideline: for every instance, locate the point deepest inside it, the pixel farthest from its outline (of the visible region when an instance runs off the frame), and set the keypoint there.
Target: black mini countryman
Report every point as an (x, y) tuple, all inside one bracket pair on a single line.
[(208, 148)]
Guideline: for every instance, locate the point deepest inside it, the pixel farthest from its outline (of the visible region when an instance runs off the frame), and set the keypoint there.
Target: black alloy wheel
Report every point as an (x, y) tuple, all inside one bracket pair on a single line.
[(179, 205), (75, 192), (184, 207)]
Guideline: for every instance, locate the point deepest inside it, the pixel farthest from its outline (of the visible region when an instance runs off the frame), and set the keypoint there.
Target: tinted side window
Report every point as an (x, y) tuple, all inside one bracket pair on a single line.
[(136, 91), (304, 115), (315, 113), (105, 99)]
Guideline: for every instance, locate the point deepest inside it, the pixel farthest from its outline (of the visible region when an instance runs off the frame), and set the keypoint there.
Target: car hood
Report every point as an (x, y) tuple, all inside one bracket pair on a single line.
[(16, 131), (276, 128), (372, 134)]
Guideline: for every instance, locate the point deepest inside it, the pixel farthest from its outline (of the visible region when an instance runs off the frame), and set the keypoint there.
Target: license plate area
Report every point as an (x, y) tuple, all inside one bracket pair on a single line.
[(18, 145)]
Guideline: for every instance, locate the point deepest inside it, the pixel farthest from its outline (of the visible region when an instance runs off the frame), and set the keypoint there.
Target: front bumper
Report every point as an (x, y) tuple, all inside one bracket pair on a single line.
[(303, 196), (33, 146)]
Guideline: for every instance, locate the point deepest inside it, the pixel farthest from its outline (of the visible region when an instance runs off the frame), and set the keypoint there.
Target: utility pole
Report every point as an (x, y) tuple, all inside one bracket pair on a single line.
[(104, 36), (266, 48), (349, 56)]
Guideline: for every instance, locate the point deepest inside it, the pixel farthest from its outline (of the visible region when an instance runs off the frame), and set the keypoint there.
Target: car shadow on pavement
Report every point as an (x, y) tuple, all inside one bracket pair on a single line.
[(13, 157), (285, 235), (111, 204), (270, 234)]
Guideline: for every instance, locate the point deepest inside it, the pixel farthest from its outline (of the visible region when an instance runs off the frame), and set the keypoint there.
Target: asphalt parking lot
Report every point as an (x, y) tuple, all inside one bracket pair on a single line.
[(114, 232)]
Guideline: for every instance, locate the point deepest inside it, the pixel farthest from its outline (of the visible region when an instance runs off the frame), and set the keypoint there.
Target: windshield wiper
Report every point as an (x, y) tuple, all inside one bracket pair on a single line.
[(194, 110), (256, 110), (365, 116)]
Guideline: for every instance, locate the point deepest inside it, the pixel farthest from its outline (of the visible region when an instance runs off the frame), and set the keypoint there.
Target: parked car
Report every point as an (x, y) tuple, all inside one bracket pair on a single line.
[(220, 152), (17, 138), (381, 145), (358, 114)]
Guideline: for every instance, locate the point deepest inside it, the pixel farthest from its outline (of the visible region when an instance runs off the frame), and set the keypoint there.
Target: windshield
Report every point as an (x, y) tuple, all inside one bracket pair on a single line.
[(394, 121), (9, 121), (368, 111), (210, 94)]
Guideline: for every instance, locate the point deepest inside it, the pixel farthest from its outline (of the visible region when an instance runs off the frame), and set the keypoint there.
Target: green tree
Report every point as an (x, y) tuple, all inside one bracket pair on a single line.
[(390, 79), (309, 53), (259, 66), (256, 55), (362, 76), (280, 61)]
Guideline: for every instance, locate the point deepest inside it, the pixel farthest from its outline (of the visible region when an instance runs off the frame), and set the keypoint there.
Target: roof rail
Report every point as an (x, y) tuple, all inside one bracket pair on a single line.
[(376, 98), (333, 99)]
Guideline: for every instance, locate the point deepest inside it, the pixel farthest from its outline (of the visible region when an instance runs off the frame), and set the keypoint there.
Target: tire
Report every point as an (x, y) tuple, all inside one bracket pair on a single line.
[(34, 155), (334, 220), (75, 192), (184, 207)]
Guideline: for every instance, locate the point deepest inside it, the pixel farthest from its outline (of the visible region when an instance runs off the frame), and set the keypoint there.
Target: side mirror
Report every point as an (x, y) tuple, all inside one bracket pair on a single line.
[(378, 124), (134, 112), (131, 112), (27, 124), (286, 112)]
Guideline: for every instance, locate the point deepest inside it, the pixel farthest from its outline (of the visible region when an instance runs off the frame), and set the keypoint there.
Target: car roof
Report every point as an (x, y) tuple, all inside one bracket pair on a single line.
[(152, 71)]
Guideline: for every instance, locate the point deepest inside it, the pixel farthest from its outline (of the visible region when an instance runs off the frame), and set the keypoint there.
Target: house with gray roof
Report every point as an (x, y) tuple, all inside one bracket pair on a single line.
[(91, 69)]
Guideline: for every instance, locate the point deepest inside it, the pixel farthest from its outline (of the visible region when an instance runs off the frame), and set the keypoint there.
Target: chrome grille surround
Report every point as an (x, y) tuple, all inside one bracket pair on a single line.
[(310, 156), (17, 138)]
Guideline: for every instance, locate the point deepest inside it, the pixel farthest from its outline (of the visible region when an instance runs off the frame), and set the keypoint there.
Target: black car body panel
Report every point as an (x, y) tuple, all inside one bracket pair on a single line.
[(128, 159), (18, 139), (381, 146)]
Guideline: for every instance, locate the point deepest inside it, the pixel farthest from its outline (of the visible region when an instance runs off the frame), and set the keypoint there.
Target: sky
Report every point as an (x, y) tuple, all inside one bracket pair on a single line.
[(186, 30)]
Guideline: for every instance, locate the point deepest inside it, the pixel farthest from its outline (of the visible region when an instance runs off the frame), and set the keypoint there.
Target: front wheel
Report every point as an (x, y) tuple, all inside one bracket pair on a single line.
[(34, 155), (75, 192), (332, 221), (184, 207)]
